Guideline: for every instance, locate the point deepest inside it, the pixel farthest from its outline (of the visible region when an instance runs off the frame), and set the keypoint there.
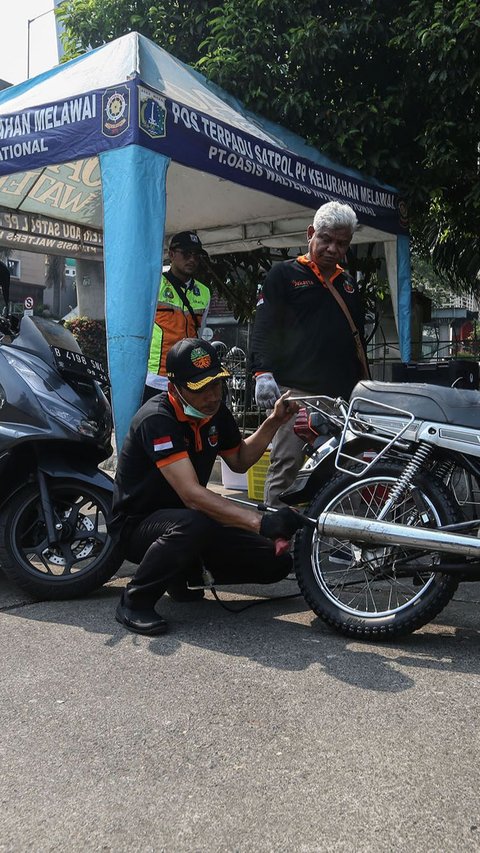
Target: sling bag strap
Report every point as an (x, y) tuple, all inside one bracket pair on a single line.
[(356, 334), (181, 293)]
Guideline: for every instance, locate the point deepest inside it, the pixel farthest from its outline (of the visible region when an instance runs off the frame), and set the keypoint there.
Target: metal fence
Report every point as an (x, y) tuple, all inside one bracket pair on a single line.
[(382, 358)]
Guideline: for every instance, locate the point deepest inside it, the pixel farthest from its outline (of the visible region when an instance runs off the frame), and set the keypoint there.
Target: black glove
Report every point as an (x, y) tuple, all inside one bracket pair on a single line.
[(281, 524)]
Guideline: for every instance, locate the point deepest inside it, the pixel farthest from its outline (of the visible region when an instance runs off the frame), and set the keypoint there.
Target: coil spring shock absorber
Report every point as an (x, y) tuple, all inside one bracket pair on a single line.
[(464, 486), (419, 457), (444, 470)]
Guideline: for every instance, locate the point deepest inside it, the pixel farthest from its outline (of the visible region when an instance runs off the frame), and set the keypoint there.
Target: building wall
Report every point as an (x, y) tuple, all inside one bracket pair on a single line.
[(90, 289), (33, 269), (31, 281)]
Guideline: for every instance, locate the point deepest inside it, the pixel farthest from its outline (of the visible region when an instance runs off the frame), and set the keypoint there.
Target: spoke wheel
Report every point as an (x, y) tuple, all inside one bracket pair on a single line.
[(370, 590), (81, 560)]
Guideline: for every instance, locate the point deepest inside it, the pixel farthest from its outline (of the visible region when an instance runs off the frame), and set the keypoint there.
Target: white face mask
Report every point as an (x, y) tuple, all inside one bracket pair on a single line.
[(190, 411)]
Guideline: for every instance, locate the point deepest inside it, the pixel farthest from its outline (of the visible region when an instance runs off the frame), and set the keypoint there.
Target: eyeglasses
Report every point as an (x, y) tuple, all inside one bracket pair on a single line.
[(188, 253)]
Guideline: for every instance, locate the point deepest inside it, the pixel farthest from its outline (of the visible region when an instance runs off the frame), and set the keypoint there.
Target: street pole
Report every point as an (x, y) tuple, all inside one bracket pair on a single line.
[(30, 21)]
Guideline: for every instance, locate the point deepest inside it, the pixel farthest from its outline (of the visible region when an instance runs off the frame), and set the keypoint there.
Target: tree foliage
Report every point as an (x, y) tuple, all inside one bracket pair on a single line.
[(391, 89), (179, 27), (236, 278), (90, 335)]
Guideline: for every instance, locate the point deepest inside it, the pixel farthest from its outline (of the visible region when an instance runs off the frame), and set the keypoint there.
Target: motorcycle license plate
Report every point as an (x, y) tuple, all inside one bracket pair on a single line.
[(79, 364)]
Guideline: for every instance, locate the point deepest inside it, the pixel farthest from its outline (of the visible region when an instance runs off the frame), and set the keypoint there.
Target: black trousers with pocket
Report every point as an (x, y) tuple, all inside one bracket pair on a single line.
[(171, 545)]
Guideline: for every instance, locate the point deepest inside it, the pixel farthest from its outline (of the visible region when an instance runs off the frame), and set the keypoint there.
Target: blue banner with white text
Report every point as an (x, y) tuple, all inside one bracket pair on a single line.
[(70, 129), (197, 140), (132, 112)]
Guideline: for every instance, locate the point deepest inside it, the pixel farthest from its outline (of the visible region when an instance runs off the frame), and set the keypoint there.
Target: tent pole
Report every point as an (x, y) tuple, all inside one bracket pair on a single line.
[(134, 203)]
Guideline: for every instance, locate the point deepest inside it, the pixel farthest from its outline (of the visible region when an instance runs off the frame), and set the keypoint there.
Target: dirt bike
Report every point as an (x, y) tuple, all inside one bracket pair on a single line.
[(392, 481)]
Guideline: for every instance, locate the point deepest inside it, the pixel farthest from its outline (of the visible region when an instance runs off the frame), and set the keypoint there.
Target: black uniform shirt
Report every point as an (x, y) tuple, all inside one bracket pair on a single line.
[(302, 336), (160, 433)]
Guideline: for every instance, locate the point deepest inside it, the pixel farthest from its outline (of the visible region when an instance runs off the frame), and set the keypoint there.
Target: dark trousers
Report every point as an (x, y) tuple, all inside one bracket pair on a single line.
[(171, 545)]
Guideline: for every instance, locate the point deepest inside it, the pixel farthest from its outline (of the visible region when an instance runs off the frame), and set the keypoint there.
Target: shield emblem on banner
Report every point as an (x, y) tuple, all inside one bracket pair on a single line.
[(152, 113)]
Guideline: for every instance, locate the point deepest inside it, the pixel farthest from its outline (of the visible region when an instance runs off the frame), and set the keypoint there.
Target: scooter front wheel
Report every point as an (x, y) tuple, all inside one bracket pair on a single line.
[(373, 591), (84, 556)]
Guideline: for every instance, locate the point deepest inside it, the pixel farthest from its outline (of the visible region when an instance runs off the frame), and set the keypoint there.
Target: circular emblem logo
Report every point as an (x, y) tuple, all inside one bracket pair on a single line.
[(200, 358), (115, 107), (348, 288), (403, 212), (115, 110)]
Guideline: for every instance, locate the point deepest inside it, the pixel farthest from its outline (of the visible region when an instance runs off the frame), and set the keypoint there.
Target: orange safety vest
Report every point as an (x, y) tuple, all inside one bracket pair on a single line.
[(173, 320)]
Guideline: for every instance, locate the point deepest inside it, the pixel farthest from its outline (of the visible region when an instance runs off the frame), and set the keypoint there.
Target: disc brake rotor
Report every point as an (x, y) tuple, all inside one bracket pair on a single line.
[(84, 523)]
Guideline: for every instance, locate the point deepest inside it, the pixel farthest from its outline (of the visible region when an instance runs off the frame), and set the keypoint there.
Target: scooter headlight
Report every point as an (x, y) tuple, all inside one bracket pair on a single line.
[(60, 413), (33, 380), (45, 395), (68, 417)]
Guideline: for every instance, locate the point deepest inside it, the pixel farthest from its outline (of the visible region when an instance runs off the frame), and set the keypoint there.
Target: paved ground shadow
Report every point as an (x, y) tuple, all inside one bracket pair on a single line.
[(280, 633)]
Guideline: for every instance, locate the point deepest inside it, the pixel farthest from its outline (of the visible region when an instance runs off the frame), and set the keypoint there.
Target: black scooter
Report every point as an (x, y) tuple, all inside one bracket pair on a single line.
[(55, 428)]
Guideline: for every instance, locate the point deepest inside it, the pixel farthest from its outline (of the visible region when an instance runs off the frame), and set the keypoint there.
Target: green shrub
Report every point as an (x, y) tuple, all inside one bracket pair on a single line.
[(91, 337)]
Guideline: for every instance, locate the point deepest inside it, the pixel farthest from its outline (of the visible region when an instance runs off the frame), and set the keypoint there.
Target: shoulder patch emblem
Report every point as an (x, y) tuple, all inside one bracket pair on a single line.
[(348, 288), (213, 436), (163, 443)]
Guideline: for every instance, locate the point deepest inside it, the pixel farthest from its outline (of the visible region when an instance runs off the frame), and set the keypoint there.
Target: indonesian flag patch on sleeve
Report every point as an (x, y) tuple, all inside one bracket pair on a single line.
[(164, 443)]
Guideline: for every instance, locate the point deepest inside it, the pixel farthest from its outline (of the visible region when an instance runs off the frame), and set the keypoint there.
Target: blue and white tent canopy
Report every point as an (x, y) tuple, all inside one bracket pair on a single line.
[(129, 140)]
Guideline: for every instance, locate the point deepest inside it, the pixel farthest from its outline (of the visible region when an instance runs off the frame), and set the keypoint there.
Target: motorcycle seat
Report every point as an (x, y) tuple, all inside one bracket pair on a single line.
[(425, 402)]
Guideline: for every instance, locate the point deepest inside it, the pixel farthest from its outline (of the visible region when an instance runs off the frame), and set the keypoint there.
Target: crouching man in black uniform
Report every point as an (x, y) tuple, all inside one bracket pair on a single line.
[(166, 519)]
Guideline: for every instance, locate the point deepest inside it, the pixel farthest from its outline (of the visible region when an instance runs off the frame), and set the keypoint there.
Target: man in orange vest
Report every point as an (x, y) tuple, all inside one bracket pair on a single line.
[(182, 307)]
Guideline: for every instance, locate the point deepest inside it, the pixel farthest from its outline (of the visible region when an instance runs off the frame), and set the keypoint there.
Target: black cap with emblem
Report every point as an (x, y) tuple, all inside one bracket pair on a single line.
[(193, 363), (187, 240)]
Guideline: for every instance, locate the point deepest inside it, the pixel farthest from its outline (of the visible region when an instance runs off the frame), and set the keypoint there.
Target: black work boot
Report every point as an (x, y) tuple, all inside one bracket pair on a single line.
[(189, 589), (179, 591), (139, 620)]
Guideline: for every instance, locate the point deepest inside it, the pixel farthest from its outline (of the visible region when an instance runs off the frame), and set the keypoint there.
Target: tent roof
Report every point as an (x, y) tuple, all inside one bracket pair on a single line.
[(128, 138), (239, 180)]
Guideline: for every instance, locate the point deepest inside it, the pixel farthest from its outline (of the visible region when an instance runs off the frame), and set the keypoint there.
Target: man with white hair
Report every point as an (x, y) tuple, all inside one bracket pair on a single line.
[(304, 339)]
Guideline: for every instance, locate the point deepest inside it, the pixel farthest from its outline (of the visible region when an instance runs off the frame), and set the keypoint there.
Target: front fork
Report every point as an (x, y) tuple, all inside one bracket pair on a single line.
[(54, 527)]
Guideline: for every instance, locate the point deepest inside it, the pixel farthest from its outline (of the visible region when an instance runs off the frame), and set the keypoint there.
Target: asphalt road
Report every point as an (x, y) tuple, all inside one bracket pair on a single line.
[(262, 731)]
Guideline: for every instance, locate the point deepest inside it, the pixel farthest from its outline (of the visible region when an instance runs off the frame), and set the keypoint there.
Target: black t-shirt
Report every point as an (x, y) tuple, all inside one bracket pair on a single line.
[(160, 434)]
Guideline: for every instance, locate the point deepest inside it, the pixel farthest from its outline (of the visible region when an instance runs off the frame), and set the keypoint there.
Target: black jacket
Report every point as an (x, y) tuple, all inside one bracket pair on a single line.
[(302, 336)]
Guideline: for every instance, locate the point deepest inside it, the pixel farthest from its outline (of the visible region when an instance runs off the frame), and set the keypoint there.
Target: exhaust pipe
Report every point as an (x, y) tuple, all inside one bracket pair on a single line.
[(387, 533)]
